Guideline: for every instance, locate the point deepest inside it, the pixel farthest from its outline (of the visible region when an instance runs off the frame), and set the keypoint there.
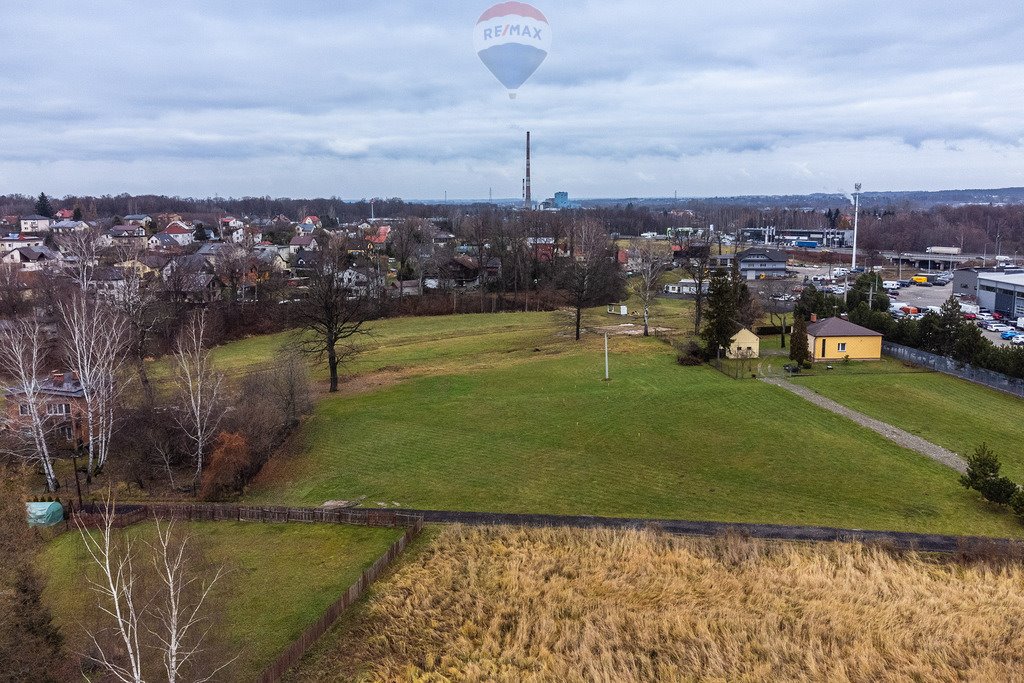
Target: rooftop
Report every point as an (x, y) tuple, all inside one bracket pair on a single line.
[(1002, 278), (837, 327)]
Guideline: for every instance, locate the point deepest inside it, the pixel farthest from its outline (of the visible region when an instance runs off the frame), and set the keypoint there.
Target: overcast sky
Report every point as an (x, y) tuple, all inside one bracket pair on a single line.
[(637, 98)]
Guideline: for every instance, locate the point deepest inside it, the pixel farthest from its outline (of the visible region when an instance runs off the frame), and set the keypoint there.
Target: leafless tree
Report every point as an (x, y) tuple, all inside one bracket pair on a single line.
[(591, 276), (118, 597), (81, 255), (774, 294), (23, 351), (696, 263), (199, 386), (181, 625), (168, 615), (404, 240), (330, 313), (288, 384), (13, 299), (651, 263), (138, 303), (94, 340)]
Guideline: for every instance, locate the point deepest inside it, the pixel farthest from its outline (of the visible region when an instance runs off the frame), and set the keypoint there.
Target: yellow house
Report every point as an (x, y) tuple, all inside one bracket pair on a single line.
[(744, 344), (835, 339)]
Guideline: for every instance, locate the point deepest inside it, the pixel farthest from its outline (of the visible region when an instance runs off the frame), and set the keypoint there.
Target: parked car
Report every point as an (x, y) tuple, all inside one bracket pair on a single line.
[(985, 316), (1018, 340), (1009, 334), (905, 283), (970, 316), (924, 284), (997, 315), (998, 327)]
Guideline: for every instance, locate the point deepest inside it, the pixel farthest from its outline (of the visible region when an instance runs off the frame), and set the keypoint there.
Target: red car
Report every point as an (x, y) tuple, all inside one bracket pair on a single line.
[(997, 316), (970, 316)]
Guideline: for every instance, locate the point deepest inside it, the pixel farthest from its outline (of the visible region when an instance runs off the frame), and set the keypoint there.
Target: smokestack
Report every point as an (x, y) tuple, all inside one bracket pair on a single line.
[(526, 191)]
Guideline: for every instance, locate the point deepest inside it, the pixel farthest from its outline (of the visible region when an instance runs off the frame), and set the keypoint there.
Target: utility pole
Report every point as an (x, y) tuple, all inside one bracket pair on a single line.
[(606, 377), (856, 216)]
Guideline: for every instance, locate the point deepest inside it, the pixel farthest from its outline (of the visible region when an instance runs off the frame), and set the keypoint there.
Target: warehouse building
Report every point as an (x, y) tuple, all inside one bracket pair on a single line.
[(1002, 293)]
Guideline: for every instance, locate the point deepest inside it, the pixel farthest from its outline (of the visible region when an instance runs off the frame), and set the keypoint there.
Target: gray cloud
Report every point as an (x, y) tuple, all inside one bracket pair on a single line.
[(637, 98)]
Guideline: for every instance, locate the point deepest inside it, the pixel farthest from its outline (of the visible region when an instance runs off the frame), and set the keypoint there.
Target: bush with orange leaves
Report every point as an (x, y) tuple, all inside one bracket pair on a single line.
[(227, 470)]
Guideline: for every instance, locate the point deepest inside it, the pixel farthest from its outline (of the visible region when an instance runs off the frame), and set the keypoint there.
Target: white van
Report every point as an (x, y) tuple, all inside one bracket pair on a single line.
[(890, 284)]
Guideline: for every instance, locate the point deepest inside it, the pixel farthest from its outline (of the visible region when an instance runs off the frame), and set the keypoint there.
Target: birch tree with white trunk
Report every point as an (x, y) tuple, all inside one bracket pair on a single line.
[(23, 350), (118, 597), (94, 340), (199, 386), (650, 261), (181, 624)]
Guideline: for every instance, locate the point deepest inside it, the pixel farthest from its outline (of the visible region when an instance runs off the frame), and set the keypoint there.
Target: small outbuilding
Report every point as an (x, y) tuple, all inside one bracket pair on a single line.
[(837, 339), (744, 344), (44, 513)]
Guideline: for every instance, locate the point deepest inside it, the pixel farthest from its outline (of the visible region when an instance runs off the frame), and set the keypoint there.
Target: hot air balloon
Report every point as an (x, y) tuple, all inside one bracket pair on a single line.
[(512, 39)]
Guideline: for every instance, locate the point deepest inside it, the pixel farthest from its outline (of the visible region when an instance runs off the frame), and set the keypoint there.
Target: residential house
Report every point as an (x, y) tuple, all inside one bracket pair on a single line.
[(181, 233), (362, 280), (64, 214), (31, 258), (744, 344), (838, 339), (62, 402), (69, 225), (246, 235), (304, 242), (106, 282), (139, 219), (400, 288), (133, 236), (312, 220), (34, 222), (15, 240), (163, 242)]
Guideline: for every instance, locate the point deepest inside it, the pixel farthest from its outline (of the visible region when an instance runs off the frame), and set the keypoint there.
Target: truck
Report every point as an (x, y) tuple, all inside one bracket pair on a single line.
[(969, 308), (1019, 324), (945, 251), (919, 279)]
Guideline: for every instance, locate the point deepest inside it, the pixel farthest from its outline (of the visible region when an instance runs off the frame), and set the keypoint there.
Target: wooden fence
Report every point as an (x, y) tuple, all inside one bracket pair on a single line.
[(294, 652), (127, 514)]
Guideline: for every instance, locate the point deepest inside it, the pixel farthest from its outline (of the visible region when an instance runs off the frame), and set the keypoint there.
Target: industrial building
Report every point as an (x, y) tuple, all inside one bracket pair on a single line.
[(1002, 293), (823, 237)]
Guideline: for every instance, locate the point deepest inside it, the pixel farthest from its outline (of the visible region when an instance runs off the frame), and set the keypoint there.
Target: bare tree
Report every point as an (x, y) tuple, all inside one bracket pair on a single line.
[(331, 312), (404, 241), (182, 626), (13, 291), (775, 300), (23, 350), (81, 255), (168, 616), (591, 276), (118, 597), (138, 303), (288, 384), (696, 260), (94, 340), (199, 386), (651, 263)]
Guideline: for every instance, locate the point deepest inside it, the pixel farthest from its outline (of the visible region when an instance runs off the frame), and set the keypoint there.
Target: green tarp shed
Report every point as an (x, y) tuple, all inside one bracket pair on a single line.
[(44, 514)]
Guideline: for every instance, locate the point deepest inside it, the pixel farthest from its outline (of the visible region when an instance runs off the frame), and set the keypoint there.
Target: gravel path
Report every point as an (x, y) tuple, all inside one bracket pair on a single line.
[(895, 434)]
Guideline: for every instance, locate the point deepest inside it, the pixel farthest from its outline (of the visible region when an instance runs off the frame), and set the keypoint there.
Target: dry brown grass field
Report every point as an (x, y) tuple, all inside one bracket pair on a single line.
[(505, 604)]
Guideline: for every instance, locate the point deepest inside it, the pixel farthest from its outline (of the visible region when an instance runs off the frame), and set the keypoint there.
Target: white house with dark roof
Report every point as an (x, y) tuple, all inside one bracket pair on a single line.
[(34, 222)]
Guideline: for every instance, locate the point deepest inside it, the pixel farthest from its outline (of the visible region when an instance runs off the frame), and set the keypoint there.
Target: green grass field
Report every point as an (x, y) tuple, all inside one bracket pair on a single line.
[(546, 435), (281, 577), (948, 411)]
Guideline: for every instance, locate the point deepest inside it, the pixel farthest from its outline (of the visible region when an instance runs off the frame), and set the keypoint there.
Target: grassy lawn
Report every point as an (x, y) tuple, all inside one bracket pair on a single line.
[(545, 435), (951, 412), (281, 577)]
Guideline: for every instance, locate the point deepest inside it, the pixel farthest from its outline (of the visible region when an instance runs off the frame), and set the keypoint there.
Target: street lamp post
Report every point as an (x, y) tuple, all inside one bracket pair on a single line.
[(856, 216)]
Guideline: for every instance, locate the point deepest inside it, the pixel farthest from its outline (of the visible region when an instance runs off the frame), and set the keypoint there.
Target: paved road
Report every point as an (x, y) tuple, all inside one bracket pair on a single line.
[(895, 434)]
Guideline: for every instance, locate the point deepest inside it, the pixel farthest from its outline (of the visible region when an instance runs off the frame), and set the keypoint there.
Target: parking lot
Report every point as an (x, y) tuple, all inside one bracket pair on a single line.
[(918, 297)]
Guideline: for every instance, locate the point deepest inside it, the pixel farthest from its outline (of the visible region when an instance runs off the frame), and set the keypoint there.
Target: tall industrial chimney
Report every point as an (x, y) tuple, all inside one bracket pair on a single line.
[(528, 202)]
